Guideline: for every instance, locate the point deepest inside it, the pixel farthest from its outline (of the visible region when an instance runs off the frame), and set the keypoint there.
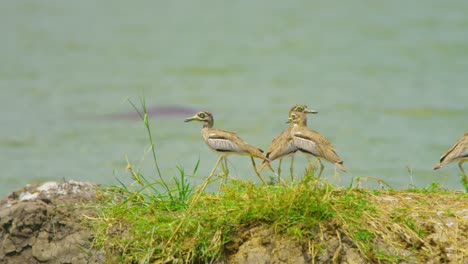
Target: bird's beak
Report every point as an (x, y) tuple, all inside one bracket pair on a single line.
[(289, 120), (190, 119), (310, 111)]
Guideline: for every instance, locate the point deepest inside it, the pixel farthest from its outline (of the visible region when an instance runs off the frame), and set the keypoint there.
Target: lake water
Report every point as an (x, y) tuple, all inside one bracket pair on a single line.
[(388, 78)]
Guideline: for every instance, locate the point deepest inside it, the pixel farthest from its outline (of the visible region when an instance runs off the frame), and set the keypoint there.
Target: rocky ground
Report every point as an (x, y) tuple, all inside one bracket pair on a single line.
[(43, 223)]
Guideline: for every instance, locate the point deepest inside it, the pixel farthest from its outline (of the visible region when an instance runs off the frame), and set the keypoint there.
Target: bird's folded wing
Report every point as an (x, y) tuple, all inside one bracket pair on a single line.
[(288, 147), (455, 152), (465, 153), (222, 143), (305, 143)]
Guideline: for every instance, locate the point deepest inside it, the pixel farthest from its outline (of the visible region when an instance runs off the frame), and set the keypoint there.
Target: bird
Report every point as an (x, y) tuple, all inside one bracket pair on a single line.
[(282, 145), (312, 143), (458, 152), (226, 142)]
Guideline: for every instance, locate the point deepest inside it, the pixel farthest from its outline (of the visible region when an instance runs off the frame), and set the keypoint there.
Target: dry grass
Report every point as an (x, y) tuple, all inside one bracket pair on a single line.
[(434, 224)]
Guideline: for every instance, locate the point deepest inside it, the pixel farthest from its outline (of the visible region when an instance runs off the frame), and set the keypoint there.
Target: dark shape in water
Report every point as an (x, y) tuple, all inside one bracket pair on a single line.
[(155, 111)]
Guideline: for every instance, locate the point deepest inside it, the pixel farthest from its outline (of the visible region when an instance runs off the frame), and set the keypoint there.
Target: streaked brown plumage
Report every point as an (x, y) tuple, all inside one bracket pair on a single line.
[(282, 145), (458, 152), (312, 143), (225, 142)]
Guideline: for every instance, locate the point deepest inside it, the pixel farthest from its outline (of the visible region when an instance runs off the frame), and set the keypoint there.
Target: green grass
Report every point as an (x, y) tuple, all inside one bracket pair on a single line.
[(138, 225)]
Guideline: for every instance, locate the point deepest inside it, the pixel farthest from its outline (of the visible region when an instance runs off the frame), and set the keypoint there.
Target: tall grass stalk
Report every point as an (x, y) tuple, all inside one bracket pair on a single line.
[(144, 117)]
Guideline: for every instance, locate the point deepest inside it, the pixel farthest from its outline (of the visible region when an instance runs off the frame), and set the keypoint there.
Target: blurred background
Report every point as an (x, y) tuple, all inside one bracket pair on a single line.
[(389, 80)]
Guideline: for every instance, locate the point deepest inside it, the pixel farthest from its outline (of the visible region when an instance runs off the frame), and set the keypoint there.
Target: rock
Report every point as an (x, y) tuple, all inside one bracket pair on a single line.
[(262, 246), (353, 256), (41, 223)]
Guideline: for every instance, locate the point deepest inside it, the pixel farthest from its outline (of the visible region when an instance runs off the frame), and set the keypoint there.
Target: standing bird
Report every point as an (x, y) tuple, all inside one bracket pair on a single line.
[(282, 145), (458, 152), (225, 142), (311, 142)]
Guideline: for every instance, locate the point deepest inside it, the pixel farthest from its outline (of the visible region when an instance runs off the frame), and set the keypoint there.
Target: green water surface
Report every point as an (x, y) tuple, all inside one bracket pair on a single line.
[(389, 79)]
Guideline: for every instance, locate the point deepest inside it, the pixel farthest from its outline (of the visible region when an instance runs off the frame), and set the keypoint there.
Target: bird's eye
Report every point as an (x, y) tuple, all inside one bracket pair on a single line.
[(202, 115), (300, 109)]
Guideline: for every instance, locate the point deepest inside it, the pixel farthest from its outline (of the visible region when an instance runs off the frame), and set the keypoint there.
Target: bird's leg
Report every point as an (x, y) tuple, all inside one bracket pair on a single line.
[(226, 166), (291, 169), (225, 175), (274, 172), (312, 166), (220, 158), (202, 188), (255, 169), (321, 167), (222, 167), (309, 167), (279, 170), (227, 170), (461, 167), (270, 167), (464, 176)]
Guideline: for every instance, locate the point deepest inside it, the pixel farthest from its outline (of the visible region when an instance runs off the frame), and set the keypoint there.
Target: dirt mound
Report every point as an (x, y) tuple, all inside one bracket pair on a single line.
[(440, 236), (261, 245), (41, 223)]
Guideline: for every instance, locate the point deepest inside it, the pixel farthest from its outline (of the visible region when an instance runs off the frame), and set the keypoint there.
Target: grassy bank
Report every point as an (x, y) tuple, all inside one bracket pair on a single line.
[(171, 221), (382, 225)]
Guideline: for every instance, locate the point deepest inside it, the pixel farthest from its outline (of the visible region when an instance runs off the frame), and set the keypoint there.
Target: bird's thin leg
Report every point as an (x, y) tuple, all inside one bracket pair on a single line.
[(195, 199), (321, 167), (255, 169), (465, 177), (291, 169), (226, 166), (223, 166), (308, 166), (279, 170), (226, 170), (225, 175), (221, 157), (274, 172), (461, 167), (271, 168)]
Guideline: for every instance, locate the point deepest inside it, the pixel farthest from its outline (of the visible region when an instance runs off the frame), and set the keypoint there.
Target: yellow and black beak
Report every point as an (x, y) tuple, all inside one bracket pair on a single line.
[(195, 117)]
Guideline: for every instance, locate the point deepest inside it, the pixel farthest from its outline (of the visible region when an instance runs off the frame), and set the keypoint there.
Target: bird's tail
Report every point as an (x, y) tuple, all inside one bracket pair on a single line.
[(339, 164), (438, 166), (256, 153), (264, 164)]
